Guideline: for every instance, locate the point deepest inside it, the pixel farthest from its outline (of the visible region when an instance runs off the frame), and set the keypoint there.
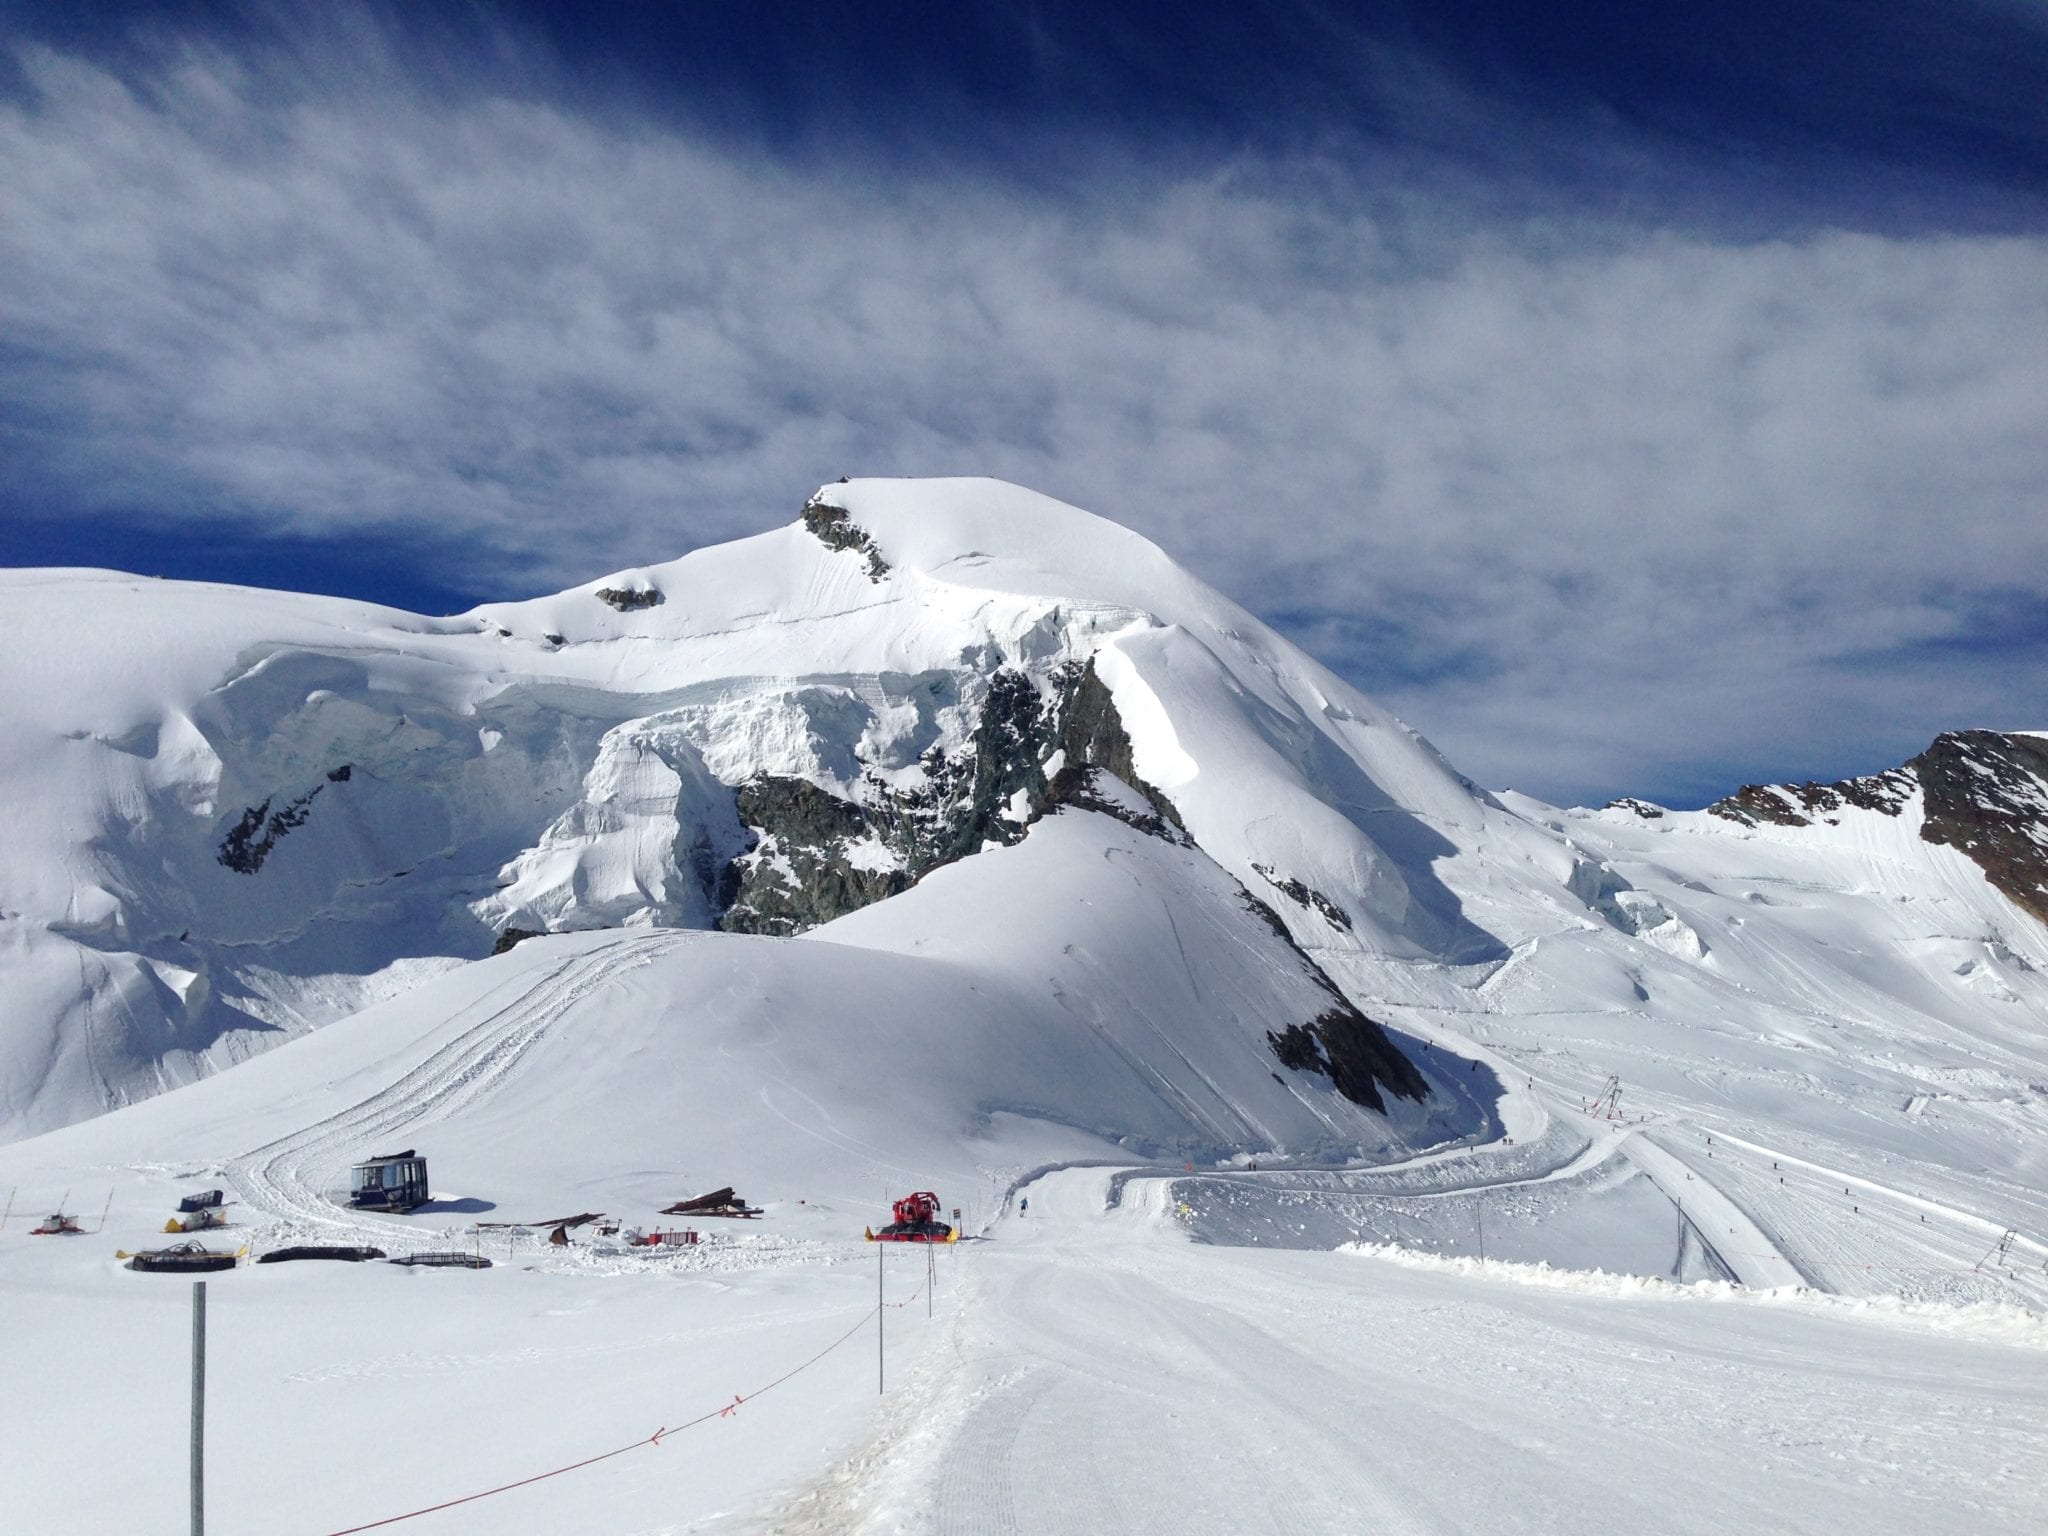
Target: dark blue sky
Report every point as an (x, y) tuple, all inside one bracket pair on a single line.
[(284, 311), (1886, 113)]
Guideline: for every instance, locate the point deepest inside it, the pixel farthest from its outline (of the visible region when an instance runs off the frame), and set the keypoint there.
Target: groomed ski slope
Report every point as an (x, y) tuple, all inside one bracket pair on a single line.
[(1086, 1367), (1104, 1373)]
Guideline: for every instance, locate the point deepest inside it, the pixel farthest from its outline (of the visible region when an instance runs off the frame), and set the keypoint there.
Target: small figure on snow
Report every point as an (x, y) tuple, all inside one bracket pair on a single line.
[(1023, 1205)]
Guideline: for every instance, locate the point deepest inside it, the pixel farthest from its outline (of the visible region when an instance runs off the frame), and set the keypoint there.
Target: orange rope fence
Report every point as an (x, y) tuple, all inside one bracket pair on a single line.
[(656, 1438)]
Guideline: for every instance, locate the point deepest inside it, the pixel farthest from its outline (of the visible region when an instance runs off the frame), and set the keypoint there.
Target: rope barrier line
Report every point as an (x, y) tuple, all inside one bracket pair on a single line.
[(653, 1439), (656, 1438)]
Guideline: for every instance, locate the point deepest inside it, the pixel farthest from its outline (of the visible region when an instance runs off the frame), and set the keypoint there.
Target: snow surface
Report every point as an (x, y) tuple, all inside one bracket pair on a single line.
[(1831, 1046), (1101, 1373)]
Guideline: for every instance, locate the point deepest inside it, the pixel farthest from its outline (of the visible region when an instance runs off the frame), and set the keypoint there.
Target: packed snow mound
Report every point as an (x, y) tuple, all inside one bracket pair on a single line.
[(241, 814)]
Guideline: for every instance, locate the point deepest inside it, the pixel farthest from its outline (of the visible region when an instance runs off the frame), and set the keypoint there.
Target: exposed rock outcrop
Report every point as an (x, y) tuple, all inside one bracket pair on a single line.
[(1087, 788), (1353, 1052), (1037, 744), (1340, 1043), (628, 599), (835, 528), (816, 857), (250, 840), (1987, 794), (1303, 895), (1646, 809)]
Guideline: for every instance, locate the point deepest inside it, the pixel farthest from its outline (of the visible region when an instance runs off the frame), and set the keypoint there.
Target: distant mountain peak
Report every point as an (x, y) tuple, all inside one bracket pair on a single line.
[(1984, 793)]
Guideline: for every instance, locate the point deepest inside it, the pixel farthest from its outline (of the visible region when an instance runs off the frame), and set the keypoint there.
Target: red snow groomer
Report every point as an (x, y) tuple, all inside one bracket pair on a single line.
[(917, 1221)]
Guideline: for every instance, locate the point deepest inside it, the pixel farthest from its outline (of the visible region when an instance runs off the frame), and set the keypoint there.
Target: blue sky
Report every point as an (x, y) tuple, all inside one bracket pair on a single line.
[(1637, 401)]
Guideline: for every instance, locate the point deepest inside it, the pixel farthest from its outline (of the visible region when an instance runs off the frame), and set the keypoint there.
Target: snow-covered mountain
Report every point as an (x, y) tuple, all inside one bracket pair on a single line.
[(943, 837), (243, 814), (1983, 792)]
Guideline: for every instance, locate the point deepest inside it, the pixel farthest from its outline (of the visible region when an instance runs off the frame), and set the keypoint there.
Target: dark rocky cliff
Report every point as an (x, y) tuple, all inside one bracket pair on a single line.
[(817, 855)]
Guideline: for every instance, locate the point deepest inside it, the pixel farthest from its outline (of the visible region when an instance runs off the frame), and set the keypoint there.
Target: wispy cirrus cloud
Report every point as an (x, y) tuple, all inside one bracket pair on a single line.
[(1600, 508)]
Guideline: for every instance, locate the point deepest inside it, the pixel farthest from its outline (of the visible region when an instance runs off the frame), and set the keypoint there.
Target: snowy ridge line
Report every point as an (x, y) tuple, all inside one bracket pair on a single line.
[(1995, 1321), (727, 1411)]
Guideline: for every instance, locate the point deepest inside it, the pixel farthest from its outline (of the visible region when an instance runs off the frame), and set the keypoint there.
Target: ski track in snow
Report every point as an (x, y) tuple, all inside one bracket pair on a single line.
[(1724, 1227), (275, 1179), (1767, 1217), (1849, 1181)]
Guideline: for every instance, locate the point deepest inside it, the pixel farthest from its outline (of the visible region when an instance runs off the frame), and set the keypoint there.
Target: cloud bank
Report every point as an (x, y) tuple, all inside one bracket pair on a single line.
[(1600, 510)]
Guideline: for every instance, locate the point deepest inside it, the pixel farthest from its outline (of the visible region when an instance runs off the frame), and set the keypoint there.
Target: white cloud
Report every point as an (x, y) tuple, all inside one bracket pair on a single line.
[(1599, 511)]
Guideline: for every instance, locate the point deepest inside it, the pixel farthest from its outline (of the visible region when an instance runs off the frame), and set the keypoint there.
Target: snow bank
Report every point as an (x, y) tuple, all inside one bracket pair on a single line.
[(1996, 1322)]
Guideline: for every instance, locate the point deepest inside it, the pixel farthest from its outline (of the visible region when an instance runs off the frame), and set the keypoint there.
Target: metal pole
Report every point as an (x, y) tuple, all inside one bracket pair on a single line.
[(880, 1249), (198, 1408)]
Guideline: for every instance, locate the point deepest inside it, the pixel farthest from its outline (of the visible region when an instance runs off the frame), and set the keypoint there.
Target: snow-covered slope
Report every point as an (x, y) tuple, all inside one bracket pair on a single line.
[(944, 837), (242, 814), (239, 814), (1094, 992)]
